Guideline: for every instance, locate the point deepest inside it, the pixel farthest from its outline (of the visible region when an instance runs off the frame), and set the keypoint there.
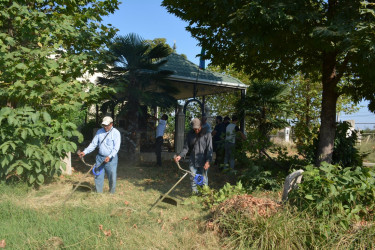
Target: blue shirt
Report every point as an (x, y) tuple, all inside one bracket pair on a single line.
[(207, 127), (110, 145), (161, 128)]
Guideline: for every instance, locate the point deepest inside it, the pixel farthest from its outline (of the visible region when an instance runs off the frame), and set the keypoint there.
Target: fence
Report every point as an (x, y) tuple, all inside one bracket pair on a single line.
[(366, 138)]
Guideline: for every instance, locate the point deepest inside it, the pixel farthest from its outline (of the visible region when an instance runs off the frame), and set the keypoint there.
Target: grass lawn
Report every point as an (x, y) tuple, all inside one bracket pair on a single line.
[(35, 219), (367, 147), (38, 219)]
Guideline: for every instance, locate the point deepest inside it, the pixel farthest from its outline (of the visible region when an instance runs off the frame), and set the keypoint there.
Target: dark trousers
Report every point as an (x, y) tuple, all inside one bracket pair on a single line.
[(220, 152), (158, 144)]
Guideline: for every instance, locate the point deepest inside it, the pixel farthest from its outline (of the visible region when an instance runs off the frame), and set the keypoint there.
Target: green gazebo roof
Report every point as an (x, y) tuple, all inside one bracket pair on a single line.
[(186, 74)]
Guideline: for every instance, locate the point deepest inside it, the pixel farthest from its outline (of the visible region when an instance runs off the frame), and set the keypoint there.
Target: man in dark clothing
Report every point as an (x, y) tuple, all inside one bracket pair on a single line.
[(218, 140), (199, 142)]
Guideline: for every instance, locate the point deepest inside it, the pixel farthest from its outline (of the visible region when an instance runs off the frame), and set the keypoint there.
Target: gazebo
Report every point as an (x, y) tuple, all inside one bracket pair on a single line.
[(193, 82)]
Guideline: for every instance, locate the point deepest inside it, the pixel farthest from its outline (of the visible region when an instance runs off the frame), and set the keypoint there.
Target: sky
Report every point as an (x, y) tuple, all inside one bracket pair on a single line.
[(150, 20)]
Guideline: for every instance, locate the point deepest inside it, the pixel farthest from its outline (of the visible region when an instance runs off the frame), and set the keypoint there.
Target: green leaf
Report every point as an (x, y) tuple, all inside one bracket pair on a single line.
[(57, 164), (46, 117), (25, 165), (40, 178), (24, 134), (35, 117), (309, 197), (63, 166), (4, 161), (31, 83), (21, 66), (4, 147), (19, 170), (59, 147), (5, 111), (32, 178)]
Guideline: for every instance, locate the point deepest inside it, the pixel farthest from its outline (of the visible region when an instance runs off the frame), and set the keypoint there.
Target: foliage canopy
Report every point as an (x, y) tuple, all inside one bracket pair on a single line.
[(45, 46), (330, 40)]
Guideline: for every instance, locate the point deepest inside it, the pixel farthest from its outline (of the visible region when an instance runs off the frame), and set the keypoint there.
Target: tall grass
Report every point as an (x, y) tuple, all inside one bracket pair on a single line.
[(290, 229)]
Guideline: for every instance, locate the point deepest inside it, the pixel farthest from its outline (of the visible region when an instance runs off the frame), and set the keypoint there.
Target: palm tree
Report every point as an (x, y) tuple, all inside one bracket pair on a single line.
[(133, 69)]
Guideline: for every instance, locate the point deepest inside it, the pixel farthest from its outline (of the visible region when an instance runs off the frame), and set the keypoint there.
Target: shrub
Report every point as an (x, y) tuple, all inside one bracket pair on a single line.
[(258, 178), (32, 144), (345, 152), (343, 194)]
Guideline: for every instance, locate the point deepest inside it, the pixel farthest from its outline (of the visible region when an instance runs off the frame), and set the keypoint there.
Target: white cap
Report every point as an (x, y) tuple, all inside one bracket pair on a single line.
[(107, 120)]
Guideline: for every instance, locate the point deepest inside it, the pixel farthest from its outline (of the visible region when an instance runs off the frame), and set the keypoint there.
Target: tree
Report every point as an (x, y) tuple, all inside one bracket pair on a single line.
[(155, 42), (331, 39), (304, 102), (265, 110), (133, 68), (45, 46), (224, 103)]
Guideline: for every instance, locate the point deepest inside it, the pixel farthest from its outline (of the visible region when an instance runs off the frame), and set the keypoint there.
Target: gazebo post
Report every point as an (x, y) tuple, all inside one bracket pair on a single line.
[(179, 136), (242, 121)]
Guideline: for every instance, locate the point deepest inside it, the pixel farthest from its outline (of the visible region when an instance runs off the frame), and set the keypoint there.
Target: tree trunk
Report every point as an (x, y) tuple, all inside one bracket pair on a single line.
[(328, 113)]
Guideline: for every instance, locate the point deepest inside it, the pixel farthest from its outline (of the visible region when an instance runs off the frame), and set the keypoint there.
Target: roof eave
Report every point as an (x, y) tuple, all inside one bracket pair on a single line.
[(208, 82)]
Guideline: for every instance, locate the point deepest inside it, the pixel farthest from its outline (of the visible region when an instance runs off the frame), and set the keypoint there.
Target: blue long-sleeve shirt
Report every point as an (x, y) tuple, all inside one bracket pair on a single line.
[(110, 145)]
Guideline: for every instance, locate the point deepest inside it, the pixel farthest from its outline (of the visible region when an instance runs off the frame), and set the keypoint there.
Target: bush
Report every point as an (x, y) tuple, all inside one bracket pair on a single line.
[(32, 144), (211, 197), (258, 178), (343, 194), (345, 152)]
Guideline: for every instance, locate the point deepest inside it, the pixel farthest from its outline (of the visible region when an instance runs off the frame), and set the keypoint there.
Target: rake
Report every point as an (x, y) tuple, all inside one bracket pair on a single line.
[(198, 178)]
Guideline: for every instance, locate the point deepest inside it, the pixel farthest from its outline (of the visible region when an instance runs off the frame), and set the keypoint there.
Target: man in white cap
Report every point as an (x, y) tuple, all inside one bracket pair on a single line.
[(199, 142), (108, 139)]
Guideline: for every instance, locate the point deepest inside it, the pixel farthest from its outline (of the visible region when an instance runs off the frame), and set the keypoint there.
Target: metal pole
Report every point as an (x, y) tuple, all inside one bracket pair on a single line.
[(161, 198)]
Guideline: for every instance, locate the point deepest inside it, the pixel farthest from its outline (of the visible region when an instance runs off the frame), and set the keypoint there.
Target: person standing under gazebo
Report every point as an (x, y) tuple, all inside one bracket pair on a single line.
[(160, 129)]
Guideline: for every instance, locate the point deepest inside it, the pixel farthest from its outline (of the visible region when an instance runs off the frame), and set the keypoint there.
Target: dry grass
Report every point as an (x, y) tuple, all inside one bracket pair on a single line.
[(39, 216), (367, 147)]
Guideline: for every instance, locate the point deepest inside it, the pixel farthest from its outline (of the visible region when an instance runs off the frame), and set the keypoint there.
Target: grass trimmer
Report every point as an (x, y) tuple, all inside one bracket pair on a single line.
[(198, 178), (96, 171)]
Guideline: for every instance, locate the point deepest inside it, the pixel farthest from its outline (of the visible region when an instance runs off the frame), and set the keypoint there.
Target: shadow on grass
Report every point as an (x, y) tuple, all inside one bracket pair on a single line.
[(147, 176)]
